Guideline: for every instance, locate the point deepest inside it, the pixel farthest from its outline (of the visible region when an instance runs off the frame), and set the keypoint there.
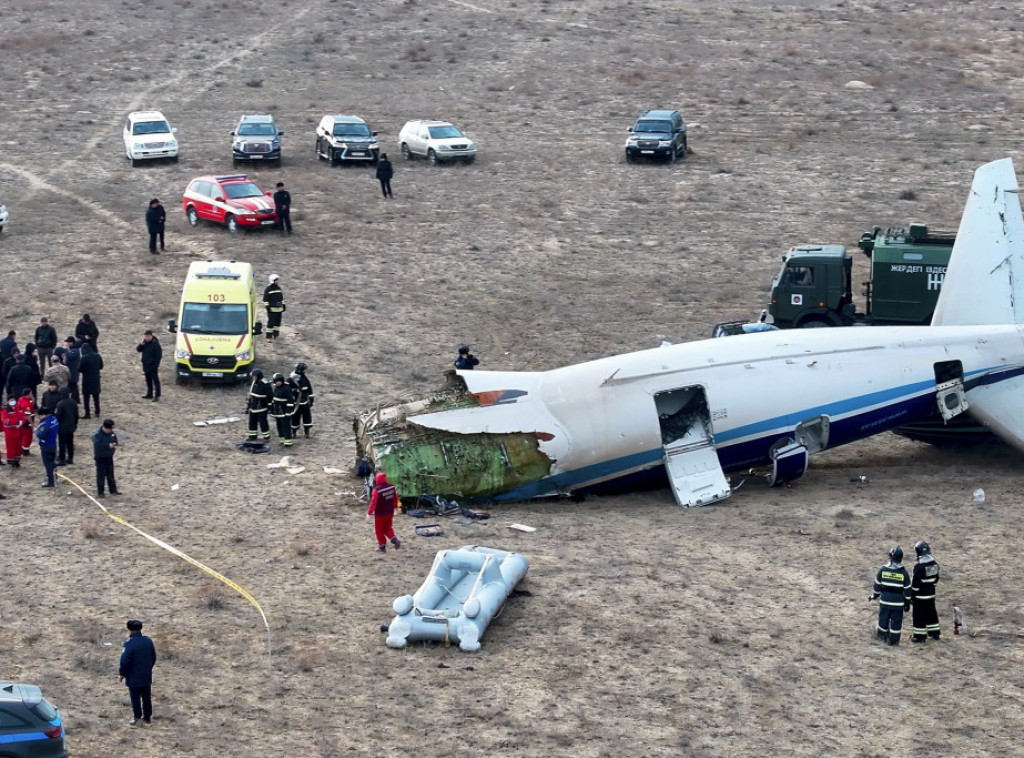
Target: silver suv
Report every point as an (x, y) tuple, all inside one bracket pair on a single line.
[(346, 139), (256, 138), (30, 727)]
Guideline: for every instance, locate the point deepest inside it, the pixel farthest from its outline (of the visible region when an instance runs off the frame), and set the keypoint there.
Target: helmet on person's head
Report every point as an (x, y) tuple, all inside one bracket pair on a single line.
[(278, 377), (896, 554), (257, 372), (921, 548), (273, 278), (300, 368)]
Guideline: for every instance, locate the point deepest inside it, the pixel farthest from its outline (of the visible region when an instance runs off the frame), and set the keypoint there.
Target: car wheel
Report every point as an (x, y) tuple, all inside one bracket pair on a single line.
[(134, 162), (174, 159), (630, 158), (406, 152), (815, 323), (685, 148), (672, 155), (319, 153), (180, 380), (193, 217), (470, 159), (231, 223), (431, 157)]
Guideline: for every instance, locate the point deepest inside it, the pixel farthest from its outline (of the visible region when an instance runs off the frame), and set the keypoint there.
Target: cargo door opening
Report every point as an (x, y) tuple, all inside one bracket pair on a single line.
[(691, 463), (949, 389)]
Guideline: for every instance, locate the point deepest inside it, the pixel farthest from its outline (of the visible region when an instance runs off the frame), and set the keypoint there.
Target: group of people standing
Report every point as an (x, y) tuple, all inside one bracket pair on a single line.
[(896, 591), (72, 376), (288, 400)]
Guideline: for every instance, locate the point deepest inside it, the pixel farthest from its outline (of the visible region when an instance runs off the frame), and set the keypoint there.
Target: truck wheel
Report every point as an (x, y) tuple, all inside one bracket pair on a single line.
[(815, 323)]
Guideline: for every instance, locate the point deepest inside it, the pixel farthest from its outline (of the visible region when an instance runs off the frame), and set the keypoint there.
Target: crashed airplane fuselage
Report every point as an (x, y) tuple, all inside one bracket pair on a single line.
[(705, 408)]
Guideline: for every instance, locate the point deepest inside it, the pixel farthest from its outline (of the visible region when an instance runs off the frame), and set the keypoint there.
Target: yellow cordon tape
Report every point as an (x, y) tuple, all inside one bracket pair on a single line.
[(171, 549)]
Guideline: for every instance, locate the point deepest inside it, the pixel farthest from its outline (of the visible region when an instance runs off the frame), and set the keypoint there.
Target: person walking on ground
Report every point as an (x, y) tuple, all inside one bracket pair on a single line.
[(51, 396), (283, 209), (89, 368), (138, 657), (384, 173), (922, 590), (152, 352), (282, 408), (73, 360), (66, 414), (304, 403), (261, 394), (57, 371), (14, 423), (466, 361), (892, 590), (46, 341), (46, 433), (87, 332), (156, 218), (273, 301), (104, 445), (383, 503)]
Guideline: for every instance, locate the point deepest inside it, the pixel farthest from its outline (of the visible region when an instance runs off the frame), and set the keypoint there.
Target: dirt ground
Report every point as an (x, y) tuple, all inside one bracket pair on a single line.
[(737, 629)]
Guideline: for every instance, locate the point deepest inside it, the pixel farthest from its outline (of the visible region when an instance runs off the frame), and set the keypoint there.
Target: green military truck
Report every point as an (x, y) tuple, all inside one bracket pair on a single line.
[(814, 286)]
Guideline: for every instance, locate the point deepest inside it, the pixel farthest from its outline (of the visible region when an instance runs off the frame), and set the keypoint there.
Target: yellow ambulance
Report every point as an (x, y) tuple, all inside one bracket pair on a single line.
[(216, 323)]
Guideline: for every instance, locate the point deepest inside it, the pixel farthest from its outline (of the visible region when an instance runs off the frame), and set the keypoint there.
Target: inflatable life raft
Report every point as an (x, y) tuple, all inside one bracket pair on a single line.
[(465, 590)]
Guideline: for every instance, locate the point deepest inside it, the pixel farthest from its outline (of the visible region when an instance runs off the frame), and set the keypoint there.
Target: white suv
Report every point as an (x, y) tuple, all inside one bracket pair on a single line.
[(147, 135), (346, 138), (436, 141)]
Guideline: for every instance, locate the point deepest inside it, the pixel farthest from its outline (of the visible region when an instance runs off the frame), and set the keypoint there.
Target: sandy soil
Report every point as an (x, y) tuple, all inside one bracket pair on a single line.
[(738, 629)]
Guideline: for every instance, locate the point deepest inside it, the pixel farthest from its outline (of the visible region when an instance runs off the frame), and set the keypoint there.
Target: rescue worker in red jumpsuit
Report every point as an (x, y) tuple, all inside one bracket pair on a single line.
[(383, 503), (27, 405), (13, 420)]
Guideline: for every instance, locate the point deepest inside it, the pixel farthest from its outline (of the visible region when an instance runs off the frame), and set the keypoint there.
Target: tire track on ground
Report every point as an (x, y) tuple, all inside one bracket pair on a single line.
[(37, 182)]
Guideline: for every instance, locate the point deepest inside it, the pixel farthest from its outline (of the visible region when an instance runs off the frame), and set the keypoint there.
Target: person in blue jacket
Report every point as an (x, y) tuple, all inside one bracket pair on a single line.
[(138, 656), (46, 433)]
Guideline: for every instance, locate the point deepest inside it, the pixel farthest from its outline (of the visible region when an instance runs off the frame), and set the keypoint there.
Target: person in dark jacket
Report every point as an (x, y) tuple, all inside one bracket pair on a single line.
[(19, 377), (87, 331), (261, 393), (273, 301), (46, 434), (89, 369), (383, 503), (46, 341), (156, 217), (104, 445), (922, 588), (282, 408), (8, 345), (73, 360), (32, 361), (67, 420), (152, 352), (303, 402), (384, 173), (466, 361), (892, 590), (51, 396), (283, 209), (138, 657)]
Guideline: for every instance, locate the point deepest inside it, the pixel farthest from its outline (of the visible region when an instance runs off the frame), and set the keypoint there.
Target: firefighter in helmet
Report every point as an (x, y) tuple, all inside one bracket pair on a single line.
[(304, 403), (922, 588), (282, 408), (892, 590), (258, 405)]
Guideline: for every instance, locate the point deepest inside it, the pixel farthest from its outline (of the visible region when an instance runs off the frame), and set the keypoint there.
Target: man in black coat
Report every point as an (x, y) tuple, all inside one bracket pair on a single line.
[(73, 360), (46, 341), (138, 657), (152, 352), (8, 345), (283, 209), (89, 370), (384, 173), (51, 396), (19, 377), (104, 445), (87, 331), (156, 217), (67, 424)]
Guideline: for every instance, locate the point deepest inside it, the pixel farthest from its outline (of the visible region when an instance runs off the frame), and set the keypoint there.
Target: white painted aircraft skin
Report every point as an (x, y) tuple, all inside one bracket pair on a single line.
[(598, 420)]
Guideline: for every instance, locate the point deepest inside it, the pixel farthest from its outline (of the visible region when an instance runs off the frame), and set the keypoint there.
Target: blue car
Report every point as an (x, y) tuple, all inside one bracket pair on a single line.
[(30, 727)]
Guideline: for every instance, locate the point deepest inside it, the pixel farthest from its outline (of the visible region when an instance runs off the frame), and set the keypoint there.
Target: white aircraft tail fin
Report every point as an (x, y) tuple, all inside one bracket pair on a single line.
[(984, 282)]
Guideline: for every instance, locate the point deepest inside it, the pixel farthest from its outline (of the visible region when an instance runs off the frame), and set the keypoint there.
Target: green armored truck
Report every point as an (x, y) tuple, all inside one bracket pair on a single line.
[(814, 286)]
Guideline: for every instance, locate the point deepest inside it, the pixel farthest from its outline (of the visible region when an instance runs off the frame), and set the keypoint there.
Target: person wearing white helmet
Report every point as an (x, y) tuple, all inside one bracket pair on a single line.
[(273, 301)]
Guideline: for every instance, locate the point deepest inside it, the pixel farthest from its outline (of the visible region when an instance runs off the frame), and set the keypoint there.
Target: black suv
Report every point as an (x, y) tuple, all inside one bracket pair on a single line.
[(30, 727), (657, 134)]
